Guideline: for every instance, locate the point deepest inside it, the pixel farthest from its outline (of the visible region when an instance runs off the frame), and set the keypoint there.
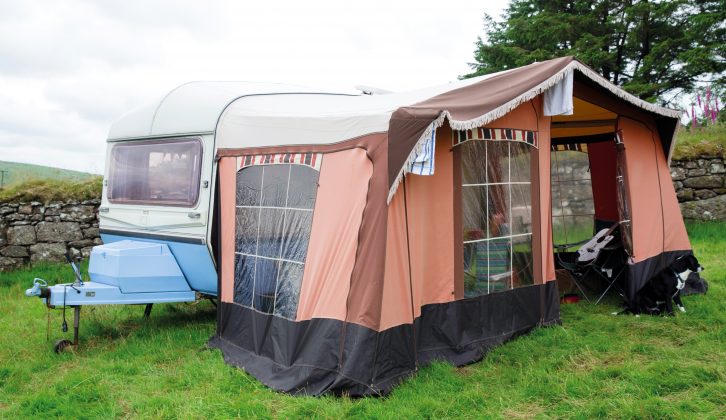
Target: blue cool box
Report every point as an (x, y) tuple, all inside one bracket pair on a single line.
[(137, 267)]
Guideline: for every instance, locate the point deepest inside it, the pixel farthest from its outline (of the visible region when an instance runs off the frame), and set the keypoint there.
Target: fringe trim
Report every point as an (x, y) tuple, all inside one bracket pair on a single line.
[(526, 96), (666, 112), (418, 148)]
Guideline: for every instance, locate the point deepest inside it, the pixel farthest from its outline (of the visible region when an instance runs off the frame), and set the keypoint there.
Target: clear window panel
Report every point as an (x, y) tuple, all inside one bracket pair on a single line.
[(244, 279), (556, 199), (497, 161), (497, 216), (500, 260), (274, 185), (573, 208), (470, 268), (589, 206), (553, 164), (580, 228), (559, 232), (521, 162), (265, 284), (249, 186), (273, 223), (566, 194), (303, 187), (473, 162), (521, 208), (476, 263), (580, 198), (498, 211), (288, 289), (571, 166), (297, 234), (269, 241), (581, 167), (247, 228), (474, 208), (522, 261)]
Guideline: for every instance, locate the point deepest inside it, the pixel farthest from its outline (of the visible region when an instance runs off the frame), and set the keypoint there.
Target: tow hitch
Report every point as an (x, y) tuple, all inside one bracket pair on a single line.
[(40, 289), (121, 273)]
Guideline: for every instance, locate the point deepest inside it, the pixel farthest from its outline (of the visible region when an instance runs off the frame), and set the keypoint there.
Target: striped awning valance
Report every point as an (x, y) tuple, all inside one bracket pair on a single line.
[(574, 147), (312, 160), (507, 134)]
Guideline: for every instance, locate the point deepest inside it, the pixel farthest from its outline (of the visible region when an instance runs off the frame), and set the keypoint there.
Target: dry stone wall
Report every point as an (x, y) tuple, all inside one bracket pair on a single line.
[(35, 231), (701, 187)]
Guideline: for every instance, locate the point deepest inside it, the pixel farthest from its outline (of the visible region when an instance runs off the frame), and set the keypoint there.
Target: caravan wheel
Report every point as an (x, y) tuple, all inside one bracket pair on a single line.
[(61, 345)]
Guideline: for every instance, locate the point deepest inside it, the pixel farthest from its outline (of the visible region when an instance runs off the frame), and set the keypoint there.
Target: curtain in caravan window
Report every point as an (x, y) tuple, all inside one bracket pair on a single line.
[(274, 215)]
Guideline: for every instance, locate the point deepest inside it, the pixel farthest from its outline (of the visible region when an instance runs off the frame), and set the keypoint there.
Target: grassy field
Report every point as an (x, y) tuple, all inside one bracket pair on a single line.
[(17, 173), (594, 365)]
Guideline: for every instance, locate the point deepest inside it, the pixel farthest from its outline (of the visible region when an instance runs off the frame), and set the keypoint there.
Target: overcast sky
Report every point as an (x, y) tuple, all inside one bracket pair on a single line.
[(68, 69)]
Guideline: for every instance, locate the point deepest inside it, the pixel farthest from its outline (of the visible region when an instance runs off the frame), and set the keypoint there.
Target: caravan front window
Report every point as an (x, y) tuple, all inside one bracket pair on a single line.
[(156, 172)]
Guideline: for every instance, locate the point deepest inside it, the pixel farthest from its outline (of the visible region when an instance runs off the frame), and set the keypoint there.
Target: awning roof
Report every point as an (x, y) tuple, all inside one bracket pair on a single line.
[(244, 114)]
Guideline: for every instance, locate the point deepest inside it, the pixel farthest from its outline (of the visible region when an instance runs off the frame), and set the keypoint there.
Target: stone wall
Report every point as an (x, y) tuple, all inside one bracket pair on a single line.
[(701, 187), (31, 232)]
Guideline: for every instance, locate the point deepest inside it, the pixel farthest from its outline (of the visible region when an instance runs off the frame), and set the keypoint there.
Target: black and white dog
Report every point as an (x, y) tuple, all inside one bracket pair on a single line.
[(665, 288)]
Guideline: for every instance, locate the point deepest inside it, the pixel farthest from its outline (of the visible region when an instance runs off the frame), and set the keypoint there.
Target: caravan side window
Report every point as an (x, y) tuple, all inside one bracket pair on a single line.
[(156, 172), (497, 214), (274, 215)]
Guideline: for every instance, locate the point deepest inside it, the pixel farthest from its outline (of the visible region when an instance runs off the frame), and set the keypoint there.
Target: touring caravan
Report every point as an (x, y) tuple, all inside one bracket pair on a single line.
[(350, 239)]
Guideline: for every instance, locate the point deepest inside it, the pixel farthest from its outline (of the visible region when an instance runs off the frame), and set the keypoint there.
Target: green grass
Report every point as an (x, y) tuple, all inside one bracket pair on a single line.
[(17, 173), (701, 141), (594, 365)]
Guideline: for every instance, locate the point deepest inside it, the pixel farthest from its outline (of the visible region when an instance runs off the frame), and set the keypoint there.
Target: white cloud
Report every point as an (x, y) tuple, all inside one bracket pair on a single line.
[(69, 68)]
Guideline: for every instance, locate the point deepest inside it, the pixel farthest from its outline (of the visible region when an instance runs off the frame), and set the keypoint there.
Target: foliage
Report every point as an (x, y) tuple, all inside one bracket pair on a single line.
[(46, 190), (706, 108), (594, 365), (652, 49), (16, 173)]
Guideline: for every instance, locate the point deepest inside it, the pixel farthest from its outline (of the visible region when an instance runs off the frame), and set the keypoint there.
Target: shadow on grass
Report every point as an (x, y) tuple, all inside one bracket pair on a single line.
[(112, 325)]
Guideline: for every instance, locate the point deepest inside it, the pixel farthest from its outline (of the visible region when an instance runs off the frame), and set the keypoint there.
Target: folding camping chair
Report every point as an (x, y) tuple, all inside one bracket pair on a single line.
[(487, 268), (600, 256)]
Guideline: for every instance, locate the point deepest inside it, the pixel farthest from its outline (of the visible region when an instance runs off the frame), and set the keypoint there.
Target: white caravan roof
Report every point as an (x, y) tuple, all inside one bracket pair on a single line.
[(192, 108), (247, 114)]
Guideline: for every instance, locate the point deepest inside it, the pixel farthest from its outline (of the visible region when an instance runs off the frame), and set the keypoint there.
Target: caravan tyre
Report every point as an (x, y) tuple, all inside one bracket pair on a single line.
[(61, 345)]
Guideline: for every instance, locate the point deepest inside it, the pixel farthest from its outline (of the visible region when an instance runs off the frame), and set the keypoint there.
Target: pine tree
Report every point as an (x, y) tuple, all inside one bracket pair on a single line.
[(653, 49)]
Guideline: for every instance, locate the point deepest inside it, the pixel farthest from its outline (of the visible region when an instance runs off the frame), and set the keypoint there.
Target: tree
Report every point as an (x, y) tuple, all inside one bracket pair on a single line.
[(654, 49)]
